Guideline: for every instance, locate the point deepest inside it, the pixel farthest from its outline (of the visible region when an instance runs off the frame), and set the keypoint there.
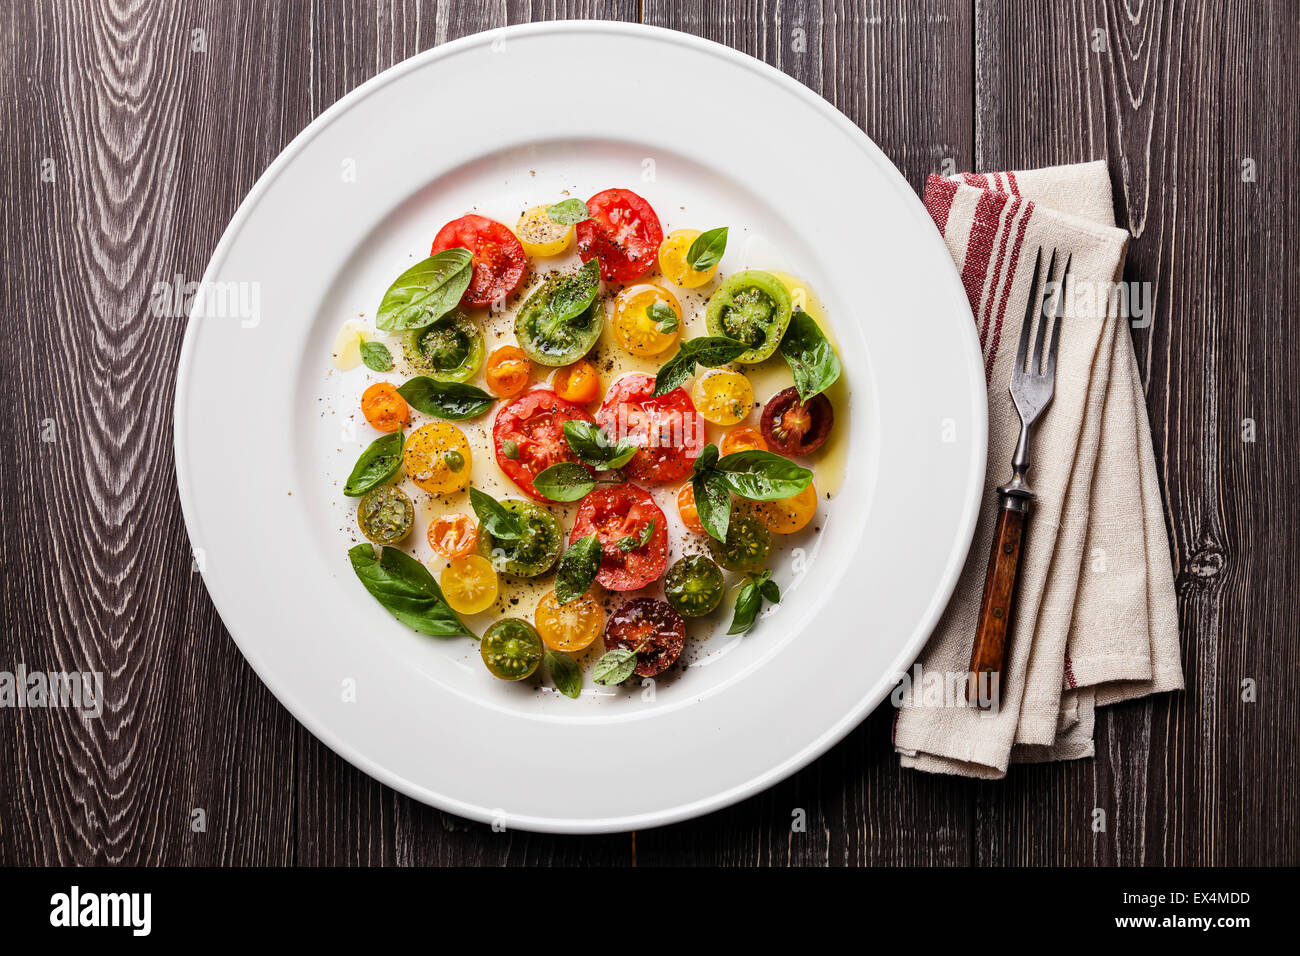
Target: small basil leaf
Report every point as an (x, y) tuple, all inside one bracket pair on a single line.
[(499, 522), (592, 444), (770, 591), (568, 212), (708, 458), (407, 590), (578, 568), (748, 602), (564, 672), (664, 317), (426, 292), (450, 400), (811, 357), (379, 462), (709, 350), (614, 667), (376, 356), (572, 295), (510, 449), (762, 475), (647, 534), (631, 542), (564, 481), (712, 503), (706, 251)]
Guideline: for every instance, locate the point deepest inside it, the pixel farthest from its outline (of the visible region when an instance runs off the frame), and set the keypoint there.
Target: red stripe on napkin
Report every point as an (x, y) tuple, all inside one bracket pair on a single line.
[(938, 199)]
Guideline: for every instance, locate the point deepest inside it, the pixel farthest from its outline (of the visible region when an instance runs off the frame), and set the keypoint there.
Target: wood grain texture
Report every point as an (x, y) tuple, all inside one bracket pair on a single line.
[(153, 134)]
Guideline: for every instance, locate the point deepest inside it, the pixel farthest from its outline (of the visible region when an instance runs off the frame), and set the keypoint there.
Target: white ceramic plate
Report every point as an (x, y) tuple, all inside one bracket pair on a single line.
[(261, 427)]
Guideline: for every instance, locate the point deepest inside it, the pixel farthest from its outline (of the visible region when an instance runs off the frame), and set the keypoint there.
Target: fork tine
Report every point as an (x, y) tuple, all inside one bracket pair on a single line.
[(1059, 311), (1027, 326), (1036, 359)]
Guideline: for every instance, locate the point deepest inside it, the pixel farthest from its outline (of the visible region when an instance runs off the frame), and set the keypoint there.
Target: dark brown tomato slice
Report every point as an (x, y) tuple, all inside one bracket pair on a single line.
[(623, 233), (534, 422), (794, 428), (668, 429), (619, 516), (499, 259), (651, 628)]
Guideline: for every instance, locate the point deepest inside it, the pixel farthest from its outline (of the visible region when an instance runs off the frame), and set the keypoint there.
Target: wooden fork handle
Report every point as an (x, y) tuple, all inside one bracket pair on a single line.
[(995, 611)]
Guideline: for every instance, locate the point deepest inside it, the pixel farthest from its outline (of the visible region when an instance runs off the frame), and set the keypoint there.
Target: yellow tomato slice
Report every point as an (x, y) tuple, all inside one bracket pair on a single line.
[(541, 235), (469, 584), (569, 627), (742, 439), (723, 398), (672, 260), (437, 458), (788, 515), (636, 328)]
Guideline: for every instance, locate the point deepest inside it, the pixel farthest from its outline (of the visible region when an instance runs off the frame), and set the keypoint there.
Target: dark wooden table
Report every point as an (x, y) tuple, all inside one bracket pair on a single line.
[(131, 132)]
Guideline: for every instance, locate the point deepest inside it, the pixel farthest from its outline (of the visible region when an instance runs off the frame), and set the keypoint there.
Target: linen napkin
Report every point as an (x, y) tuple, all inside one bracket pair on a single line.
[(1095, 619)]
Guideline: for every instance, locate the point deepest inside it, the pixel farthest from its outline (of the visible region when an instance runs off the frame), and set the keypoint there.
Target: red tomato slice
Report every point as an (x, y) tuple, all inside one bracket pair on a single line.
[(499, 260), (616, 512), (668, 429), (623, 232), (535, 423)]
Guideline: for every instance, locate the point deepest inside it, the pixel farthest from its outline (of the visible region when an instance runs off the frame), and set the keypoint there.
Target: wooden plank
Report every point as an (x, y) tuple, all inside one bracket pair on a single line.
[(150, 146), (1178, 97)]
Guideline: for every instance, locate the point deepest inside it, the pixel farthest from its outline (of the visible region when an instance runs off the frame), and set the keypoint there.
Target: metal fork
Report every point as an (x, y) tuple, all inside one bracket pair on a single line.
[(1033, 381)]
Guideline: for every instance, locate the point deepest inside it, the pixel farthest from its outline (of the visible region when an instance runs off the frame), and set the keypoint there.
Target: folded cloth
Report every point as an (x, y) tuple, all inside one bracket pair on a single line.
[(1095, 619)]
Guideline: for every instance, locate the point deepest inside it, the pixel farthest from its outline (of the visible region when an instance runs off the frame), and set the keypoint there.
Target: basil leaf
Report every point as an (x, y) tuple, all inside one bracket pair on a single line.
[(510, 449), (578, 568), (377, 464), (770, 591), (376, 356), (748, 603), (564, 481), (572, 295), (450, 400), (427, 291), (564, 672), (811, 356), (762, 475), (592, 444), (569, 212), (709, 350), (499, 522), (708, 458), (707, 249), (614, 667), (664, 317), (407, 590), (630, 543)]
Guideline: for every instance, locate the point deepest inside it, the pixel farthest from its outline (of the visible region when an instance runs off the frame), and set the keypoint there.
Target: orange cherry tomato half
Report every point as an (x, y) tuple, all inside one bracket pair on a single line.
[(453, 536), (742, 439), (686, 508), (578, 382), (384, 408), (508, 370)]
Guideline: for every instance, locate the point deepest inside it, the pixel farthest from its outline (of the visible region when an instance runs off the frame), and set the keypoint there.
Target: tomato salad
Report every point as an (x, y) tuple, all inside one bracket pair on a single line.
[(596, 447)]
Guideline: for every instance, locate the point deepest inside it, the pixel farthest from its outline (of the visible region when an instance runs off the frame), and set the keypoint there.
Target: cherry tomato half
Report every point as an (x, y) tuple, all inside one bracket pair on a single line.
[(469, 584), (623, 233), (578, 382), (794, 428), (742, 439), (437, 458), (569, 627), (651, 628), (499, 260), (619, 515), (384, 408), (508, 369), (511, 649), (686, 508), (668, 429), (453, 536), (788, 515), (534, 424)]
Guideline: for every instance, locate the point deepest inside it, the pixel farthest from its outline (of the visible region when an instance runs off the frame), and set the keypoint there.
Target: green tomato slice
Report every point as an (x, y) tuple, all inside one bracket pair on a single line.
[(449, 350), (533, 554), (752, 307), (511, 649), (385, 515), (694, 586), (549, 341), (747, 546)]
